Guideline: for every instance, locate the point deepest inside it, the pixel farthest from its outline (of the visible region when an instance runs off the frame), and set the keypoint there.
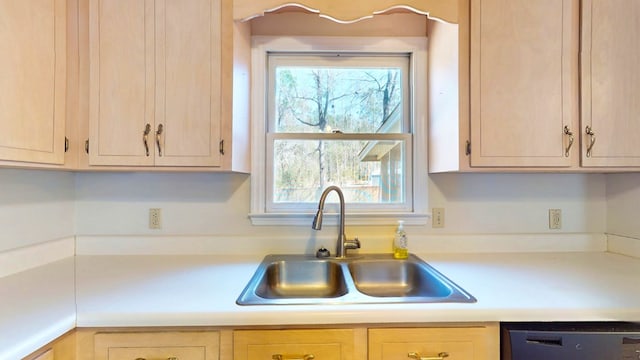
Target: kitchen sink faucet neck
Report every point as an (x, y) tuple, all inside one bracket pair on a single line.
[(343, 244)]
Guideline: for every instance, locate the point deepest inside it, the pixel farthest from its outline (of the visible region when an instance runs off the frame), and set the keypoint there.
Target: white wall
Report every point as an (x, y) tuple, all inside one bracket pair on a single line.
[(35, 206), (623, 205), (519, 203), (218, 204), (192, 204), (39, 206)]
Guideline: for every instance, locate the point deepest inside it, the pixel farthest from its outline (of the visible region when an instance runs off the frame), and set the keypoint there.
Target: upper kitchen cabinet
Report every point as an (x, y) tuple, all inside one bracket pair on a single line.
[(610, 83), (160, 79), (348, 11), (33, 80), (154, 82), (523, 83), (506, 98)]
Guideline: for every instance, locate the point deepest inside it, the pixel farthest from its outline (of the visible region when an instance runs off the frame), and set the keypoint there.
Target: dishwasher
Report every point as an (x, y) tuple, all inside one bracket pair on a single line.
[(570, 341)]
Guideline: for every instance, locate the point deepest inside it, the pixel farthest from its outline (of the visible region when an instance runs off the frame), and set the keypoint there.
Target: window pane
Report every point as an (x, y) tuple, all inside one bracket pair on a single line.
[(368, 172), (324, 99)]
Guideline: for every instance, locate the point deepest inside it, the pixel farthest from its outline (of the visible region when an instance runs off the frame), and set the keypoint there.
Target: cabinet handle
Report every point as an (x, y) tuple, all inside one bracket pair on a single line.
[(158, 133), (416, 356), (570, 134), (169, 358), (589, 131), (293, 357), (145, 136)]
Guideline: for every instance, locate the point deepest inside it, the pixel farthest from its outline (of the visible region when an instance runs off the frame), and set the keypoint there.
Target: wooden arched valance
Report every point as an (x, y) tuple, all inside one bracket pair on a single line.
[(347, 11)]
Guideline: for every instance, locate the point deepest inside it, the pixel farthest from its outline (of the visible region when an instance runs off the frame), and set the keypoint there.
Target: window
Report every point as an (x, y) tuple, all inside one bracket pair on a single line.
[(330, 111)]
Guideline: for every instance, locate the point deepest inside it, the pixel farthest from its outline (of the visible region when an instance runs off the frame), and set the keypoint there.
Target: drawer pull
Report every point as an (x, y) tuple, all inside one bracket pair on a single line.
[(169, 358), (416, 356), (293, 357)]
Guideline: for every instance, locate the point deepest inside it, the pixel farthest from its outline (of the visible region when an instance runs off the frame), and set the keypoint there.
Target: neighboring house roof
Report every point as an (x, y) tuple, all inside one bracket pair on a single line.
[(375, 150)]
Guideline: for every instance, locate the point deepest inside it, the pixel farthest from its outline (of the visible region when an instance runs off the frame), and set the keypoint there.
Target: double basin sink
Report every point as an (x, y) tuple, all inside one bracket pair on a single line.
[(361, 279)]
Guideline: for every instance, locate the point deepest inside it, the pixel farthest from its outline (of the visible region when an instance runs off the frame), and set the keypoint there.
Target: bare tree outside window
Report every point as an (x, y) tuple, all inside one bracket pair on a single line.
[(345, 100)]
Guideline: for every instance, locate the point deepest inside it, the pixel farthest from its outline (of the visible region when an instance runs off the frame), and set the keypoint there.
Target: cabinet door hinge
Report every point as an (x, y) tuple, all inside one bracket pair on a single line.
[(86, 146), (467, 150), (221, 147), (66, 144)]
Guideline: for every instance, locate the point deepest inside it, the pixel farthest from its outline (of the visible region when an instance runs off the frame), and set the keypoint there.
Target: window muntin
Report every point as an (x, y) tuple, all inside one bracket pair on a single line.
[(339, 119)]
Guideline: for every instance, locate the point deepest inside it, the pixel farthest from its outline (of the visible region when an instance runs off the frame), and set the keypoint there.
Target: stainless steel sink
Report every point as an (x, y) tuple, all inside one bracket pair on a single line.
[(285, 279), (389, 278), (375, 278)]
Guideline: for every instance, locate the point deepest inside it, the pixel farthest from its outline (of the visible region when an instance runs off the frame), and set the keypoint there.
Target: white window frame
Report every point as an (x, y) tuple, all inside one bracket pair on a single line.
[(261, 213), (361, 59)]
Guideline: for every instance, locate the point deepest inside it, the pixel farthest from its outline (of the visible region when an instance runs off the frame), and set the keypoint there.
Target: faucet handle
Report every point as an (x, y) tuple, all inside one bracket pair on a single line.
[(352, 244)]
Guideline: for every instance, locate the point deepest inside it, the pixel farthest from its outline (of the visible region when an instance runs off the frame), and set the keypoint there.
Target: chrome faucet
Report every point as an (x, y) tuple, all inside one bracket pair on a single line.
[(343, 244)]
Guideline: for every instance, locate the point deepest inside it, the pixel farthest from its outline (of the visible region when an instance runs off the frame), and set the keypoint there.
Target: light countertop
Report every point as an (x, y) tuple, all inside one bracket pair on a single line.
[(191, 290), (202, 290), (36, 307)]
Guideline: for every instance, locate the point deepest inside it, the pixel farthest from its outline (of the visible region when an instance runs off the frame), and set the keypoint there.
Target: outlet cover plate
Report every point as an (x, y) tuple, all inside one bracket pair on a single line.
[(555, 219)]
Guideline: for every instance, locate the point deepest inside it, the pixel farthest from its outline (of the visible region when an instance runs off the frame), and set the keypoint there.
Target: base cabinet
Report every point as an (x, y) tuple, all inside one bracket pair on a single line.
[(63, 348), (472, 343), (318, 344), (182, 345), (47, 355), (477, 341)]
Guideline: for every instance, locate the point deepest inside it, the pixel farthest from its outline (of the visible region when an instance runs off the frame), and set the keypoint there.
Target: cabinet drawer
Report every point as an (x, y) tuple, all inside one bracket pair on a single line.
[(182, 345), (473, 343), (294, 344), (149, 353)]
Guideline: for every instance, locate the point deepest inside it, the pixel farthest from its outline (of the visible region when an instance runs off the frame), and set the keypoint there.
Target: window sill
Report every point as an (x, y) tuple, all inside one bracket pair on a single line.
[(300, 219)]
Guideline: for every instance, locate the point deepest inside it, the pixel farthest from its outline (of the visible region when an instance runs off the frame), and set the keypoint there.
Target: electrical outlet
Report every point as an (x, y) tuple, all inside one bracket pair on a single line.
[(555, 219), (437, 217), (155, 218)]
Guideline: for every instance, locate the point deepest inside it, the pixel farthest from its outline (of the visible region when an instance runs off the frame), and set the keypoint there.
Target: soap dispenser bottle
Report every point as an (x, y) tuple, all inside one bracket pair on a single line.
[(400, 245)]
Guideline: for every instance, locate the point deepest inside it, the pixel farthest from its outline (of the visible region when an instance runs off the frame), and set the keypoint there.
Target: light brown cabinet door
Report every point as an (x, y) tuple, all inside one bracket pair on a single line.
[(474, 343), (188, 82), (332, 344), (32, 80), (187, 345), (154, 82), (121, 82), (610, 82), (523, 82)]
